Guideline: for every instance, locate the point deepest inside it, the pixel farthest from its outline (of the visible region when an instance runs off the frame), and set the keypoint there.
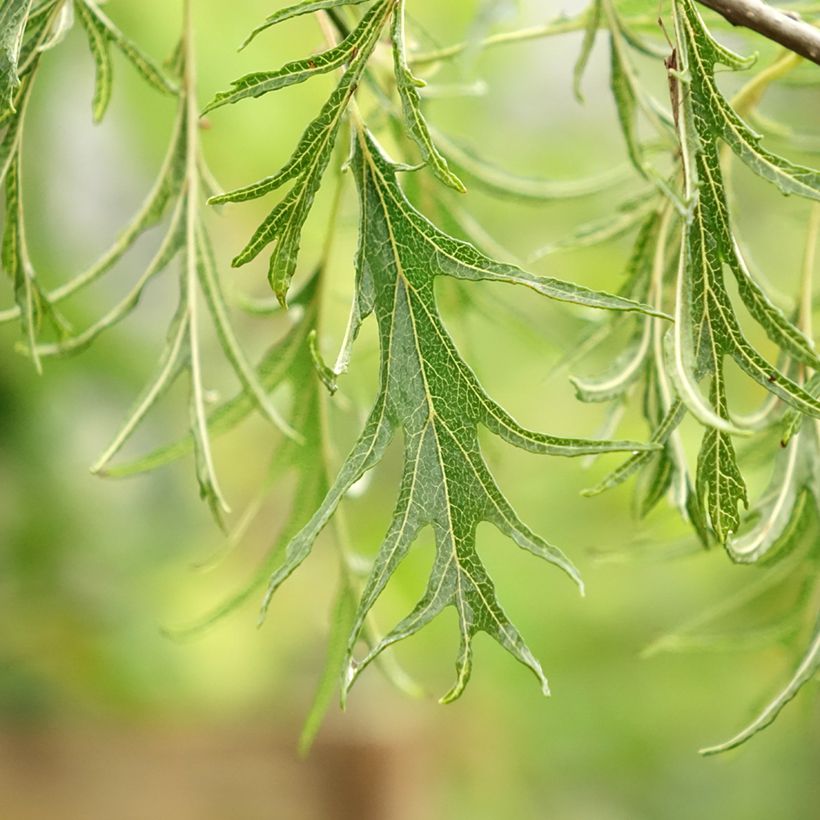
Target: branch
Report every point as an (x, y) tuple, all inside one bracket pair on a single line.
[(783, 27)]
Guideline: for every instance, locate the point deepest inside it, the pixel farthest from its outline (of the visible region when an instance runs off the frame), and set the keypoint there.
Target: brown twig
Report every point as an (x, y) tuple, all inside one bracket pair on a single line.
[(776, 24)]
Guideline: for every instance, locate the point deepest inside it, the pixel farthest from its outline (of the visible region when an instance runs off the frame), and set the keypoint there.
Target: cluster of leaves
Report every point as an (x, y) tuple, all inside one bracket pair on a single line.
[(176, 199), (684, 247), (427, 391)]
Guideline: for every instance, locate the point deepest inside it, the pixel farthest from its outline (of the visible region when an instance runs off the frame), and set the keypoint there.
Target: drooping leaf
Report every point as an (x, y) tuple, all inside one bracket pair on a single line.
[(93, 18), (101, 51), (13, 16), (283, 226), (429, 394), (407, 85), (164, 191), (706, 325), (715, 115), (594, 13), (305, 7), (804, 672), (528, 189), (720, 484), (788, 505)]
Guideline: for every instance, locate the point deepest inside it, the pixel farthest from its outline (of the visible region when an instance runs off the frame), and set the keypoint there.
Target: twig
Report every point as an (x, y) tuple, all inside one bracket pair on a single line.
[(781, 26)]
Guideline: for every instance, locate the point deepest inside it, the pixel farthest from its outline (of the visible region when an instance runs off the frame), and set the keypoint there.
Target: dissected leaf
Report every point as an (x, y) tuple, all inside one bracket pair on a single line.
[(305, 7), (407, 85), (720, 484), (13, 16), (283, 226), (788, 507), (717, 116), (803, 674), (99, 45), (594, 13), (94, 19), (503, 183), (430, 395)]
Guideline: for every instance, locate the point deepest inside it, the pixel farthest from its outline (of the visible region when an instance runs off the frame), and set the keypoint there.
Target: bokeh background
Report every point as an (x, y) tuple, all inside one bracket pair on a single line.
[(103, 716)]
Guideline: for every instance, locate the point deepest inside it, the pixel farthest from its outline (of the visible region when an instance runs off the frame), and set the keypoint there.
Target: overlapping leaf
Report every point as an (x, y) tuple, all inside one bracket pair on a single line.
[(717, 117), (102, 34), (429, 394), (305, 169), (44, 26), (13, 17)]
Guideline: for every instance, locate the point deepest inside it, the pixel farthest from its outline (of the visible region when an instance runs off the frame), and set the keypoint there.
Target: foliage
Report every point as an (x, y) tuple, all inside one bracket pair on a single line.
[(684, 324)]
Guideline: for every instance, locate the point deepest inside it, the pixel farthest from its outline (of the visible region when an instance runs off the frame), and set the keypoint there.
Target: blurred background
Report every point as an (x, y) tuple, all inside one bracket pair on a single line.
[(103, 716)]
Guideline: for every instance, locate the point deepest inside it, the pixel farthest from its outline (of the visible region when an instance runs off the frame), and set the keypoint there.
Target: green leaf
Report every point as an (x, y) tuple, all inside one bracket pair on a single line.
[(706, 325), (786, 506), (715, 212), (99, 45), (13, 16), (260, 83), (805, 671), (283, 226), (594, 12), (502, 183), (407, 85), (164, 191), (624, 218), (92, 17), (32, 305), (431, 396), (187, 239), (719, 484), (713, 114), (305, 7), (342, 619)]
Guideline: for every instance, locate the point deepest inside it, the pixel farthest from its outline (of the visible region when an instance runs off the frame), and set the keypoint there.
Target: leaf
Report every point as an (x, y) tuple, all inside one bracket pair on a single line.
[(187, 239), (706, 326), (151, 212), (805, 671), (283, 226), (430, 395), (32, 306), (715, 212), (624, 218), (594, 13), (719, 483), (13, 16), (260, 83), (342, 619), (407, 85), (99, 45), (305, 7), (503, 183), (714, 114), (93, 18), (13, 133), (787, 504)]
